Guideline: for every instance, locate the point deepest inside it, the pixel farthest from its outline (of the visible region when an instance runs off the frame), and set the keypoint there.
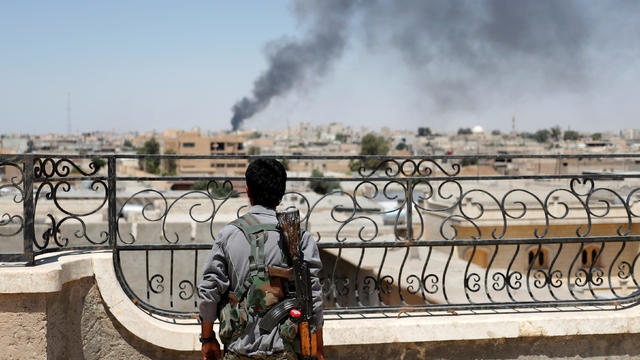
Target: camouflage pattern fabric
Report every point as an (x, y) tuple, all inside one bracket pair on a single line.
[(288, 331), (285, 355), (261, 295), (233, 321)]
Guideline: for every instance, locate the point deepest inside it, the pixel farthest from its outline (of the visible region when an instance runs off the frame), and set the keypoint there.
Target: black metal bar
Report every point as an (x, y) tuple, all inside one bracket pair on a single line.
[(163, 247), (339, 157), (380, 178), (402, 244), (171, 280), (409, 197), (86, 248), (112, 189), (419, 243), (486, 306), (195, 276), (29, 210), (147, 280)]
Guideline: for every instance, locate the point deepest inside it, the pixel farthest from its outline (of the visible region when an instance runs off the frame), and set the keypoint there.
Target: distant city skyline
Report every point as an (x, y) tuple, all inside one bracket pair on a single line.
[(163, 65)]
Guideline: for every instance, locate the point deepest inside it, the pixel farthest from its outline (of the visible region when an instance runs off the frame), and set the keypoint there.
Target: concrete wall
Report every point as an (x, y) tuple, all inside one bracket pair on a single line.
[(71, 324)]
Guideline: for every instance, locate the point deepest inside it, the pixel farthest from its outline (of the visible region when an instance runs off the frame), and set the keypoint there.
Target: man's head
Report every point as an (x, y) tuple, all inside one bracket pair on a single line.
[(266, 182)]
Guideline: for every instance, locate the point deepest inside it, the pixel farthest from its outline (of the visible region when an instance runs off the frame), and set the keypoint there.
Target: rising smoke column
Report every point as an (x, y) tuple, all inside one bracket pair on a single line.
[(457, 50), (293, 62)]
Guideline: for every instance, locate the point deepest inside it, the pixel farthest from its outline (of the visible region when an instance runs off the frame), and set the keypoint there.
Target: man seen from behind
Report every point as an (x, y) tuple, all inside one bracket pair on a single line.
[(236, 287)]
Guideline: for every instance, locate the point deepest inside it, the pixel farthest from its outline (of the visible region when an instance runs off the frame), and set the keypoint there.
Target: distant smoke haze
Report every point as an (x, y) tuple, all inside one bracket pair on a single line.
[(459, 51)]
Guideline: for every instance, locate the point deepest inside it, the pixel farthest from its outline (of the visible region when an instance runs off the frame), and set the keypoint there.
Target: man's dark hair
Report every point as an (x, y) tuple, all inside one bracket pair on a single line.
[(267, 180)]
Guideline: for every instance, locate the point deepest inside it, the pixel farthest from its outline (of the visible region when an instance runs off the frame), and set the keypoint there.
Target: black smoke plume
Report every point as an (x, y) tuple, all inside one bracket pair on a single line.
[(292, 62), (457, 49)]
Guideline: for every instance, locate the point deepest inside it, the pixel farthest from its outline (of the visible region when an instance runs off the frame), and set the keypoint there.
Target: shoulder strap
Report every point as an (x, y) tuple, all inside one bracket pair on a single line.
[(250, 225), (255, 233)]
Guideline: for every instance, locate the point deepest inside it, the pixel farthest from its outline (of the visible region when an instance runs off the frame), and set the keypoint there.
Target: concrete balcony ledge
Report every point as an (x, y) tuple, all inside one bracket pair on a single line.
[(48, 275), (53, 272)]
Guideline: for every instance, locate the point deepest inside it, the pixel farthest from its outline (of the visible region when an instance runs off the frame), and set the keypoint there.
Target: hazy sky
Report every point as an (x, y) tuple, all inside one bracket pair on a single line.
[(142, 65)]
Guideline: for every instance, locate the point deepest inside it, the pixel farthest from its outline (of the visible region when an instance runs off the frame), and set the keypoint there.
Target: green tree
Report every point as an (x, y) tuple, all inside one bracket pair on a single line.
[(542, 136), (468, 161), (169, 165), (255, 135), (321, 186), (341, 138), (371, 145), (464, 131), (402, 146), (596, 137), (424, 131), (150, 165), (526, 135), (495, 132), (571, 135), (98, 163), (253, 150), (555, 133), (127, 144)]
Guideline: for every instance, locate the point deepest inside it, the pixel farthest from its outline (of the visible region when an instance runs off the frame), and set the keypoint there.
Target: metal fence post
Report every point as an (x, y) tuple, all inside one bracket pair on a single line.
[(111, 181), (409, 195), (29, 210)]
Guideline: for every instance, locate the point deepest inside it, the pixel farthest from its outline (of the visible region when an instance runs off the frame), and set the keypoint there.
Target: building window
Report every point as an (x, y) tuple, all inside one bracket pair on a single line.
[(240, 146), (538, 259), (231, 165), (220, 165), (189, 145), (217, 146), (590, 256), (480, 257)]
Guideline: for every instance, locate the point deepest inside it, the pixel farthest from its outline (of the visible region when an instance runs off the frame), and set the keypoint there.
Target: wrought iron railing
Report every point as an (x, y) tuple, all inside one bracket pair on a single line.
[(419, 235)]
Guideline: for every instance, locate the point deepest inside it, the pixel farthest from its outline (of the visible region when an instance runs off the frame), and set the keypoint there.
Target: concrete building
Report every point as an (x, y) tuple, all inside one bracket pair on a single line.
[(195, 143), (630, 134)]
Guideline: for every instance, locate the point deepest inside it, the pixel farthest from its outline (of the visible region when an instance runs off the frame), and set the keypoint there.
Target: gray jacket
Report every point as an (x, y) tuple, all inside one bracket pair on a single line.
[(227, 267)]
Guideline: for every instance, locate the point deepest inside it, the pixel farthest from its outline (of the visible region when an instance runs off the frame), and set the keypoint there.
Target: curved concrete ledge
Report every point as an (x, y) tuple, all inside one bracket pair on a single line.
[(147, 328), (53, 271), (48, 275)]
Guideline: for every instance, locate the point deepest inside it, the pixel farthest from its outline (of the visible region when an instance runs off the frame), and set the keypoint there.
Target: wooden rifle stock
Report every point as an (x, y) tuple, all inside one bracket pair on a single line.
[(280, 272), (308, 341)]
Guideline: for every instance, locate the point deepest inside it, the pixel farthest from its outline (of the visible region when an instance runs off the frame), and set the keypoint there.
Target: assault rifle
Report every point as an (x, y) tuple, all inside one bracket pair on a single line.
[(300, 308)]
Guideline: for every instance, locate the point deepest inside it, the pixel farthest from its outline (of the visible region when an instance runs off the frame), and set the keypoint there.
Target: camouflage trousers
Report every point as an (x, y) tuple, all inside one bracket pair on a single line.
[(284, 355)]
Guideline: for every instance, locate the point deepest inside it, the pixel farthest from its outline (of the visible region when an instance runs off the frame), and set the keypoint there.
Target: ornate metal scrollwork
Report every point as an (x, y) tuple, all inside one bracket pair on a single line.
[(397, 233)]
